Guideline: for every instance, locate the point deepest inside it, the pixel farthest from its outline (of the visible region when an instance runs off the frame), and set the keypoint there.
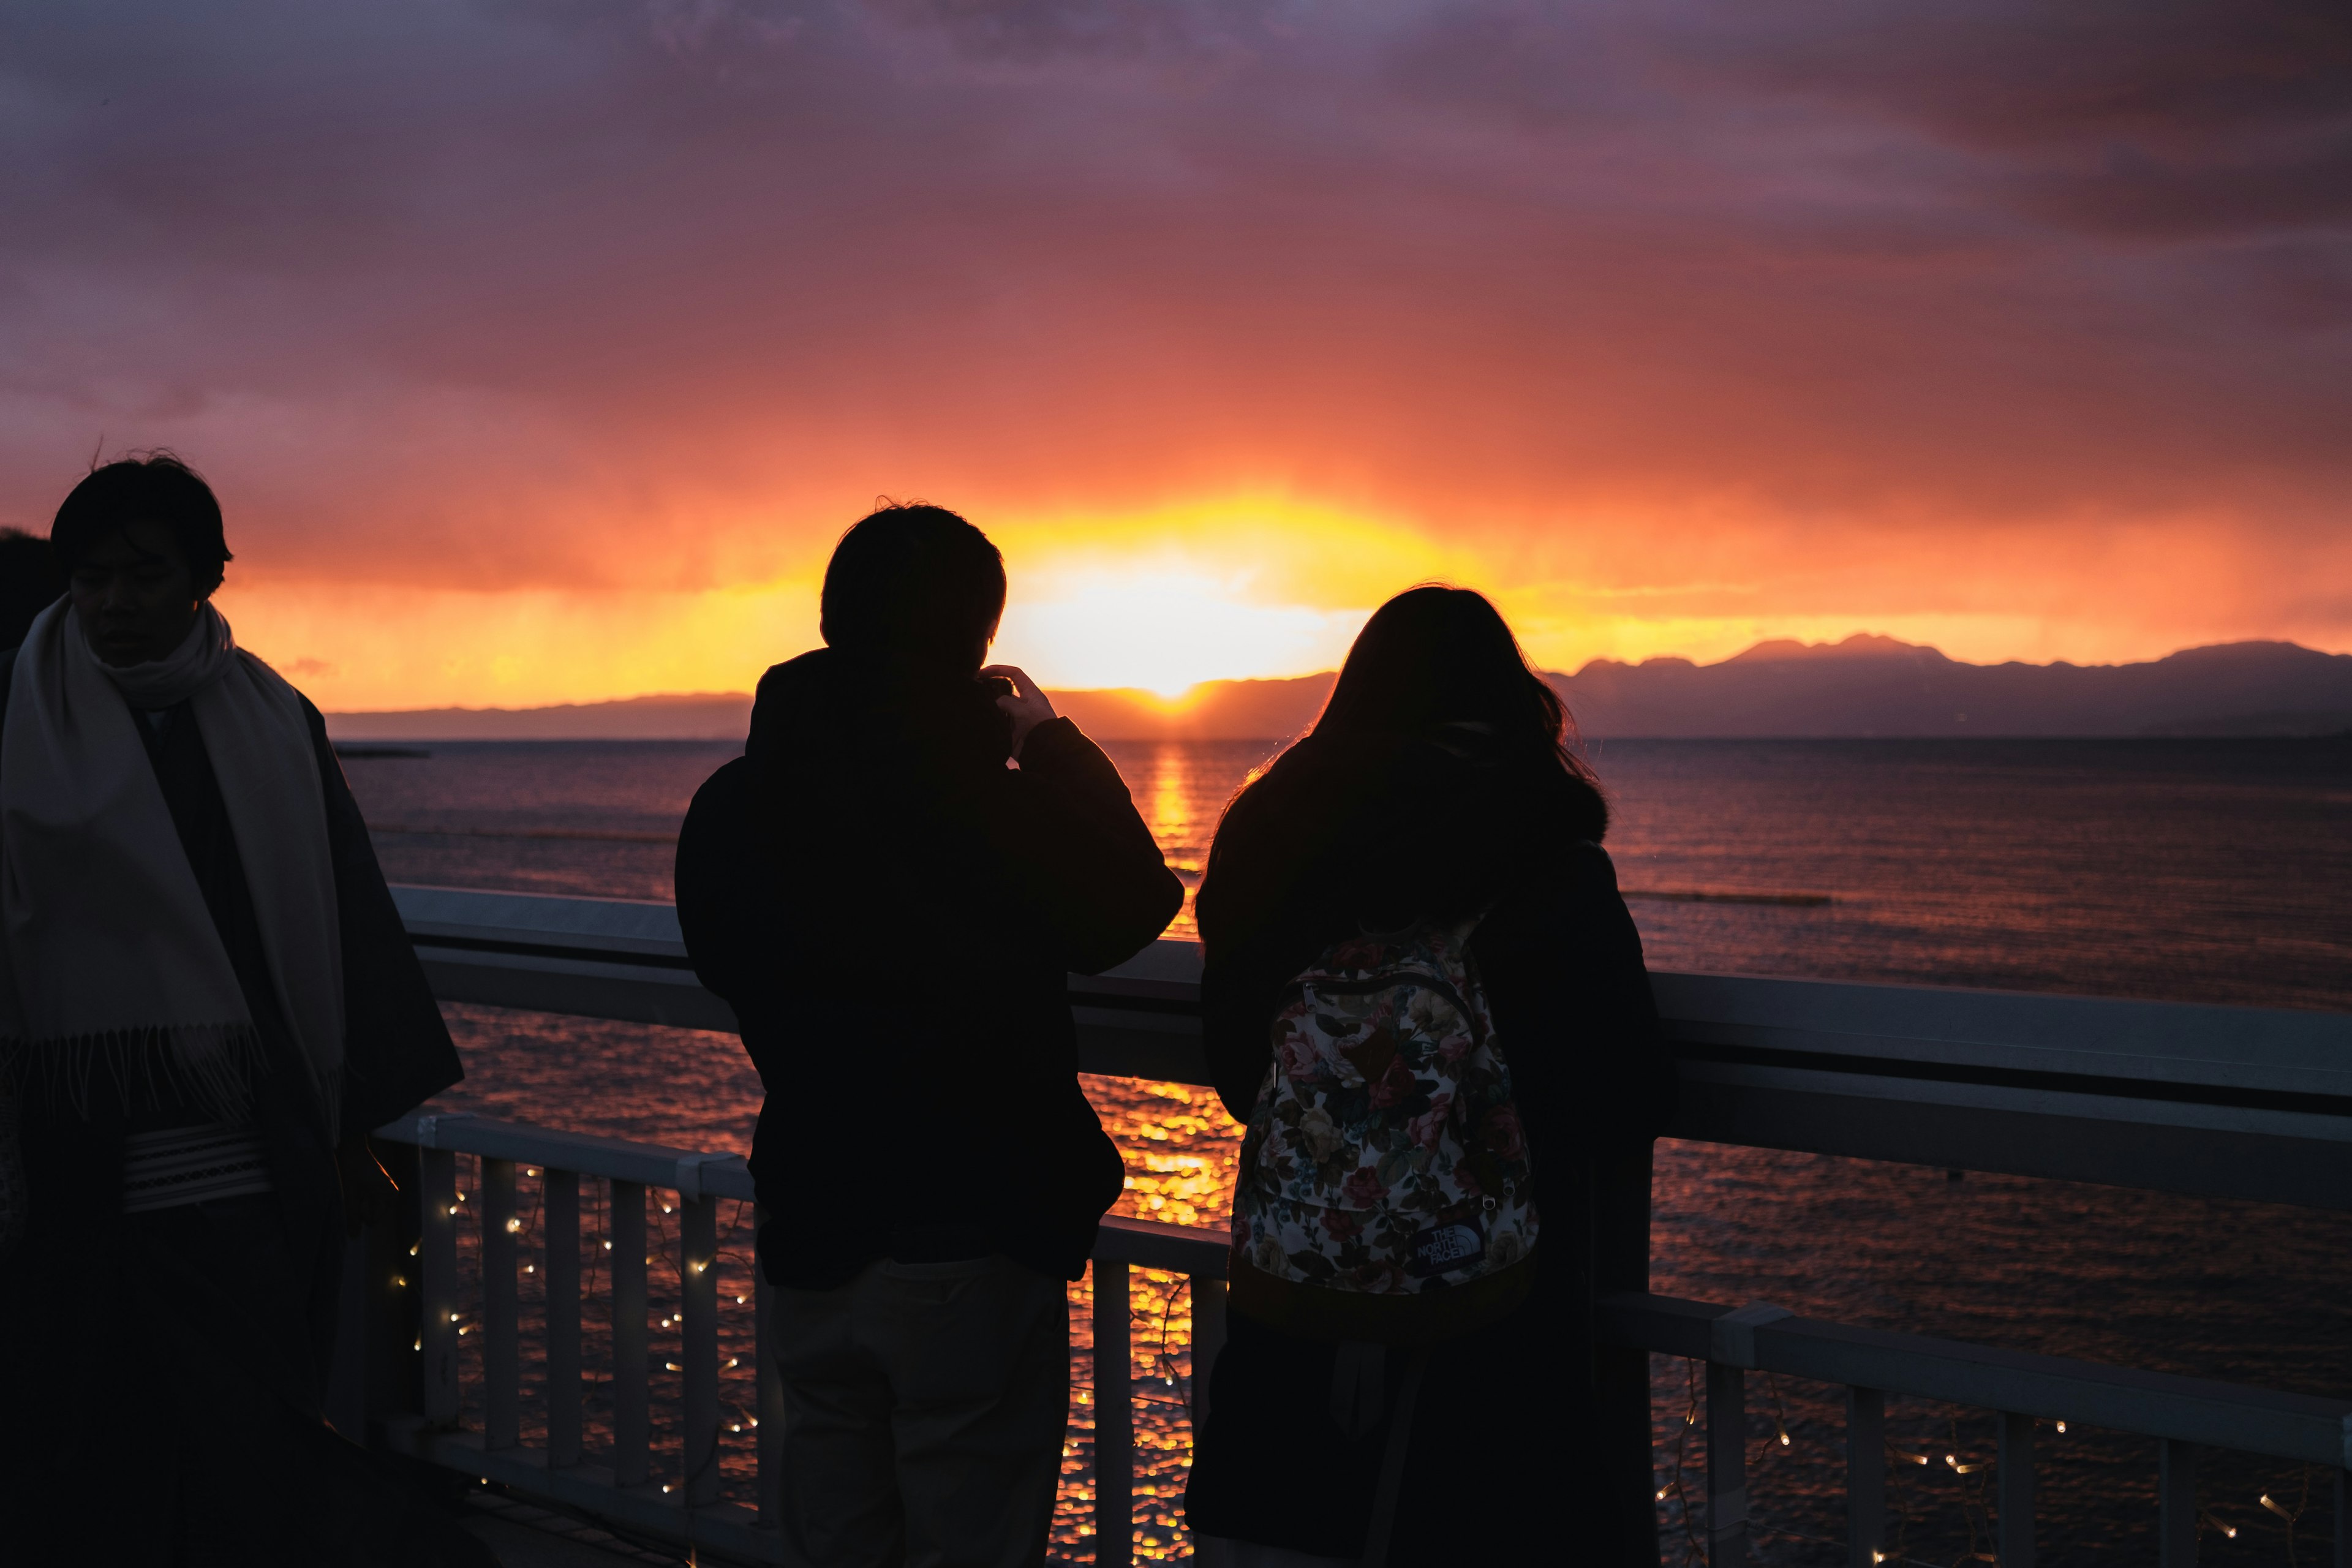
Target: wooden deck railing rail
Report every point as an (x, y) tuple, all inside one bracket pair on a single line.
[(2235, 1102)]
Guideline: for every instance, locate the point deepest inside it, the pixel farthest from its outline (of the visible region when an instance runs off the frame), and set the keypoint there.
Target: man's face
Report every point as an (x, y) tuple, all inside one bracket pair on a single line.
[(135, 595)]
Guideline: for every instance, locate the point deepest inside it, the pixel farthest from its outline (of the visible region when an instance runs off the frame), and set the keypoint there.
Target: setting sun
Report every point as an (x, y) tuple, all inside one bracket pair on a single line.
[(1166, 633)]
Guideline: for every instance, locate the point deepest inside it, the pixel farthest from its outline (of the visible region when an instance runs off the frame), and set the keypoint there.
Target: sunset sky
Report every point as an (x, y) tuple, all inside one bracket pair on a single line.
[(540, 351)]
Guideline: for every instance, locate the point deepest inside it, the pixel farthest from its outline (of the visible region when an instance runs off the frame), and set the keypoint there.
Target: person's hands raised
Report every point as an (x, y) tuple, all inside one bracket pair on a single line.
[(1027, 705)]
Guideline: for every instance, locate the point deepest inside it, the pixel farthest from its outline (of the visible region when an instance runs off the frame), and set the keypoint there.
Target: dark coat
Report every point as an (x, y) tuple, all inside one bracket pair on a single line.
[(192, 1350), (1548, 1438), (894, 915)]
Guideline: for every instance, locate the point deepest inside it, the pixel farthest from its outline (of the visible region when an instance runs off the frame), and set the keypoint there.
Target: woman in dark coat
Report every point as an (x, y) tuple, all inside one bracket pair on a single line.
[(207, 1000), (1435, 786)]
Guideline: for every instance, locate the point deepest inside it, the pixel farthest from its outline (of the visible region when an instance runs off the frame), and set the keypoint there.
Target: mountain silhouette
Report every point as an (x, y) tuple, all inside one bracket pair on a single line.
[(1868, 686), (1863, 686)]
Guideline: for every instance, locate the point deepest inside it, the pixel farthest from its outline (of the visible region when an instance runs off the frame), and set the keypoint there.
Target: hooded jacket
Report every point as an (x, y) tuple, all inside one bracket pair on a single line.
[(893, 912)]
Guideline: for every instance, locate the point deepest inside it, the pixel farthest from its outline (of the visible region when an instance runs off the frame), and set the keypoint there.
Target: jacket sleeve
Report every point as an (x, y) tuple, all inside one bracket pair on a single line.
[(720, 910), (397, 1052), (1562, 962), (1068, 832), (1249, 952)]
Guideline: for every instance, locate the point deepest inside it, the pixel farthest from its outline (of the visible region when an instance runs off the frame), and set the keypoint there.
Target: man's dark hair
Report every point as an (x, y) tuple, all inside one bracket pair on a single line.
[(915, 584), (30, 582), (156, 488)]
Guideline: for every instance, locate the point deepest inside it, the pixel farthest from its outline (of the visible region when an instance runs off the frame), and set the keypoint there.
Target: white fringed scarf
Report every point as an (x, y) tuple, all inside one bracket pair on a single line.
[(111, 956)]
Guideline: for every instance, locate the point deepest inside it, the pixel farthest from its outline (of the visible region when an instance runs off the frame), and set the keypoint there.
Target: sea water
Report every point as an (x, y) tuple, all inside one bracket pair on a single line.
[(2205, 871)]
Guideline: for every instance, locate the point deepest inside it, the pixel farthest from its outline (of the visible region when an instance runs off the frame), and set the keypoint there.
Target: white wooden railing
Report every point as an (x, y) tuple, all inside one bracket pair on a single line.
[(2222, 1101)]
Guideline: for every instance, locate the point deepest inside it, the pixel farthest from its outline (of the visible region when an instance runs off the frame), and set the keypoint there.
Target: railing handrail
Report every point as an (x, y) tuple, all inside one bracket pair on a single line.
[(2228, 1102), (2243, 1416), (2159, 1405), (693, 1172), (2231, 1054)]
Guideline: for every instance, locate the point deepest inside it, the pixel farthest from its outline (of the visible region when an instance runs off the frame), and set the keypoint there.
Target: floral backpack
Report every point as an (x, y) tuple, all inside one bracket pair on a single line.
[(1384, 1157)]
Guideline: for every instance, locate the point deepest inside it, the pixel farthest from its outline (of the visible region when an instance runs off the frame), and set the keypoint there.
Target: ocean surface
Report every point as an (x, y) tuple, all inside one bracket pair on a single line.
[(2198, 870)]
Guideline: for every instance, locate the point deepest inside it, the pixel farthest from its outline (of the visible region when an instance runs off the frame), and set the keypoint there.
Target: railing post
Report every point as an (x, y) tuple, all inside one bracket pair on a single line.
[(558, 1203), (436, 1337), (2176, 1490), (1727, 1466), (501, 1354), (1866, 1476), (1114, 1420), (698, 1231), (769, 1384), (632, 1423), (2016, 1480)]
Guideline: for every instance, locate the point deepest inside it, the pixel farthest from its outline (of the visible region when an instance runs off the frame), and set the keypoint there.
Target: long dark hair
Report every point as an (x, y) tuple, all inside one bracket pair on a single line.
[(1438, 657), (1441, 770), (1439, 663)]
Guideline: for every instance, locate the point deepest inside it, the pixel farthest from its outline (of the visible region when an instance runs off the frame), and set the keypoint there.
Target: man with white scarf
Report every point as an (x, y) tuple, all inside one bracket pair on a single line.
[(206, 999)]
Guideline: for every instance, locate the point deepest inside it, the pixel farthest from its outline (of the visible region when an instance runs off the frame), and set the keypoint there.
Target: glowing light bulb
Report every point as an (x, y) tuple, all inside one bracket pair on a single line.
[(2062, 1428), (413, 1246), (1784, 1436), (419, 1345), (514, 1225), (530, 1268), (738, 1300)]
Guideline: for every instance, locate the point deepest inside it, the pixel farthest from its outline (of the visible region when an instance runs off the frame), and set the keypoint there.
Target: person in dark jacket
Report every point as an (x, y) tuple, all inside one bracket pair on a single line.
[(207, 1000), (891, 886), (1436, 785)]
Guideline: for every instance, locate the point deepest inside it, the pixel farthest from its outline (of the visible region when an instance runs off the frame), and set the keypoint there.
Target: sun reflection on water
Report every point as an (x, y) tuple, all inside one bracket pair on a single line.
[(1182, 1153)]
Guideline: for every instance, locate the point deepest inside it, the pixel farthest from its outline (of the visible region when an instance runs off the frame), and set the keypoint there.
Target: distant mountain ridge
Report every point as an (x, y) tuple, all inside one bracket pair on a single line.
[(1865, 686), (689, 716), (1875, 686)]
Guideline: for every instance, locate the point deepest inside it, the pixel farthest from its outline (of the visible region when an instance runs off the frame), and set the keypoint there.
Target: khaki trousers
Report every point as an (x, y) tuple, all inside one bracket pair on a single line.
[(924, 1413)]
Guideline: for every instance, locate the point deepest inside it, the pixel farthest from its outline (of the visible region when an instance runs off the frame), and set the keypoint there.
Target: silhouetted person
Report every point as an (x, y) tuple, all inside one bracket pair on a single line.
[(892, 911), (1426, 999), (206, 999), (30, 582)]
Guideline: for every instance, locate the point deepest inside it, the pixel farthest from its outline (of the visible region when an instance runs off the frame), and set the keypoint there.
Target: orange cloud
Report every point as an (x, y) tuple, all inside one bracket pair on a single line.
[(541, 354)]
